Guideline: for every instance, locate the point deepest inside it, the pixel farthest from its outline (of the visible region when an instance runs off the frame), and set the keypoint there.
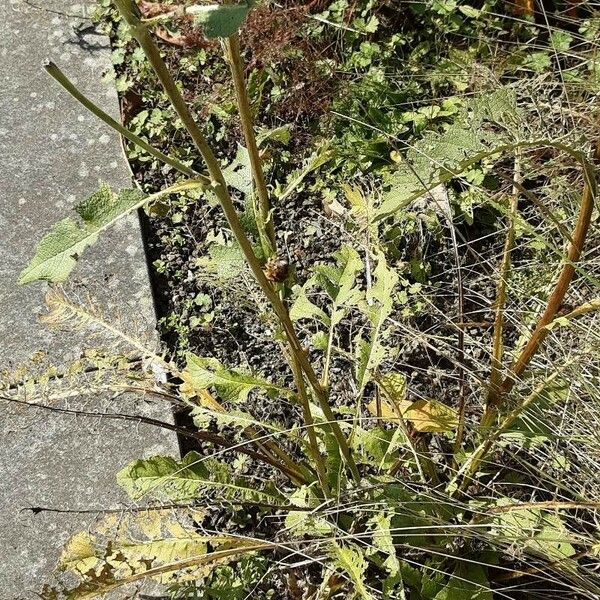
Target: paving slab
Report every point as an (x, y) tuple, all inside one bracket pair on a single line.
[(52, 154)]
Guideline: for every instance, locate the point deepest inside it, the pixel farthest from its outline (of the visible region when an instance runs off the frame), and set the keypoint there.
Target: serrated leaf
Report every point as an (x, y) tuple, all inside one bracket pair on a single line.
[(536, 532), (439, 157), (380, 525), (303, 522), (225, 262), (220, 20), (57, 253), (468, 582), (353, 562), (303, 308), (186, 480), (368, 354), (157, 544), (339, 280), (377, 307), (231, 385), (238, 173)]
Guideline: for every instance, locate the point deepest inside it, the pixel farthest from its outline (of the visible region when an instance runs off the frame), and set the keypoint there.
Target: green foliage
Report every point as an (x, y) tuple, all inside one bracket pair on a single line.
[(58, 251), (220, 21), (189, 479), (231, 385), (393, 527)]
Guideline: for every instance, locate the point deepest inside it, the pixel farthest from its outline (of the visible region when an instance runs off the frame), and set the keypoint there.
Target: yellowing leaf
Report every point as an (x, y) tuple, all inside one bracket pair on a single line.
[(432, 416), (387, 411), (426, 416), (152, 544)]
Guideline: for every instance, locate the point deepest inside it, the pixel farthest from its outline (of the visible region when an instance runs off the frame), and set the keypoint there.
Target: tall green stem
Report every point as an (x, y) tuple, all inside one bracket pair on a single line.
[(266, 226), (130, 13), (64, 81)]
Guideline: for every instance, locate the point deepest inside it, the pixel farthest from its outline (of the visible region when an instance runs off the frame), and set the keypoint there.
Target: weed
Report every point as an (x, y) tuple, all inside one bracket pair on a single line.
[(376, 489)]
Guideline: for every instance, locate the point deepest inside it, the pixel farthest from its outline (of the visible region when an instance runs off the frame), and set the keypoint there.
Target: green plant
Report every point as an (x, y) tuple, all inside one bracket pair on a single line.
[(364, 505)]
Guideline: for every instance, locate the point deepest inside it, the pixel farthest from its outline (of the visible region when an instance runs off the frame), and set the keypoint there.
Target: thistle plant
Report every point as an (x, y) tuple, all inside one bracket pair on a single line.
[(377, 511)]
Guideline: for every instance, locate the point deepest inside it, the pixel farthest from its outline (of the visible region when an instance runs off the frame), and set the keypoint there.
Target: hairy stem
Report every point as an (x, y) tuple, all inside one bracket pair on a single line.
[(474, 461), (309, 421), (265, 222)]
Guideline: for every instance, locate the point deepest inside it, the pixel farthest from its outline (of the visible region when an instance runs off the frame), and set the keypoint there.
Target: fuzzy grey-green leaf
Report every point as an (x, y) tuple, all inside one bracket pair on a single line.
[(57, 253), (220, 20)]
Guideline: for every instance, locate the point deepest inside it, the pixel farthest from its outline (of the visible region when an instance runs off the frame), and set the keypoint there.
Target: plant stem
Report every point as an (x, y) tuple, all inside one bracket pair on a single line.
[(265, 222), (309, 421), (497, 342), (128, 10), (562, 284), (267, 447), (476, 458), (64, 81)]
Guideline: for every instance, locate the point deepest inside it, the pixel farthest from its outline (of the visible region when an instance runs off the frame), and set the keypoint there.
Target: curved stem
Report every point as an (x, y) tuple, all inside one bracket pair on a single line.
[(64, 81), (501, 292), (562, 284)]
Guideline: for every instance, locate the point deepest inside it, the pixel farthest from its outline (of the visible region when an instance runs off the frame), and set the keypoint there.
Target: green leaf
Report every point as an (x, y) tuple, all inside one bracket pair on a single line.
[(368, 354), (383, 542), (439, 157), (536, 532), (238, 173), (468, 582), (338, 281), (377, 307), (316, 160), (220, 20), (533, 427), (233, 386), (185, 480), (225, 262), (352, 561), (303, 308), (57, 253), (304, 522), (179, 481)]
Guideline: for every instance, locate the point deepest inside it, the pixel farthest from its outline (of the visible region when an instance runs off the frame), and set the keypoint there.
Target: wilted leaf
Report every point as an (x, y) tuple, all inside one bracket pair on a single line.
[(388, 412), (432, 416), (158, 544)]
